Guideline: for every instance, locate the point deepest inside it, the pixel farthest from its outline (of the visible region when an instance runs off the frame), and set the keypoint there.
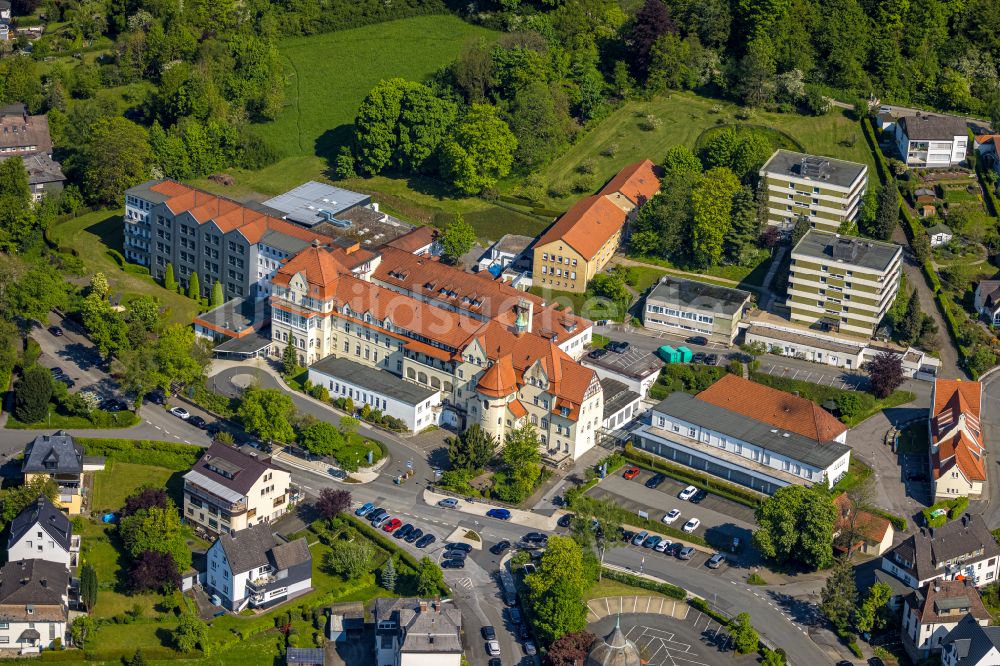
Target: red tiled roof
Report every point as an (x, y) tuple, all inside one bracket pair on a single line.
[(639, 182), (777, 408), (871, 527), (414, 240), (517, 409), (320, 268), (956, 432), (587, 226), (499, 380)]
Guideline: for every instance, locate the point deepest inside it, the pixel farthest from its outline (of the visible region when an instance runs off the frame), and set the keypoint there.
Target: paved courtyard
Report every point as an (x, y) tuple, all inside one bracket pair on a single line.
[(664, 641)]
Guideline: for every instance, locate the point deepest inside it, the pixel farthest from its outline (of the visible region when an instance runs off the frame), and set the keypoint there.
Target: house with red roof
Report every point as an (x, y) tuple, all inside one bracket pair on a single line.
[(957, 450)]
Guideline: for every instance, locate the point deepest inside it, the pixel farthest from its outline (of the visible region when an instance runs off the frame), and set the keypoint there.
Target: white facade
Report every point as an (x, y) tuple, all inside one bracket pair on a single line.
[(981, 570), (235, 588), (138, 235), (37, 544), (12, 630), (926, 637), (945, 152), (417, 415)]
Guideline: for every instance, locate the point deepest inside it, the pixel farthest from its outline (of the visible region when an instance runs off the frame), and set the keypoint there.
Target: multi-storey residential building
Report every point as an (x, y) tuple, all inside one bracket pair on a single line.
[(963, 549), (842, 283), (581, 242), (251, 567), (61, 459), (957, 452), (931, 612), (971, 644), (34, 601), (228, 490), (927, 140), (688, 307), (25, 136), (827, 191), (43, 532), (417, 632), (750, 434), (498, 356)]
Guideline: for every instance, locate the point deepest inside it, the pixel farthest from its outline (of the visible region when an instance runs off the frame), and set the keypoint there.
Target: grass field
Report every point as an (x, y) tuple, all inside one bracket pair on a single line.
[(612, 588), (684, 117), (91, 235), (118, 480)]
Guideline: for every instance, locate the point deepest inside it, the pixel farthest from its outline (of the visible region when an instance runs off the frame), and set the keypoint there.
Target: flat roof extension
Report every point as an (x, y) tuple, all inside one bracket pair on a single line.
[(814, 167), (836, 248), (700, 295), (376, 381)]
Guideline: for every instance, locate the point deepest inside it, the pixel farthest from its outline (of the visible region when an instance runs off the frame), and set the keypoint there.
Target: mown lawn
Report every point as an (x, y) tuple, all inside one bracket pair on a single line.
[(612, 588), (118, 480), (92, 235)]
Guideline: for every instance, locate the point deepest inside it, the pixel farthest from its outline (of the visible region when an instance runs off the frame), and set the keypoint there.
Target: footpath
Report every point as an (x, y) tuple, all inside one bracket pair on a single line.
[(480, 507)]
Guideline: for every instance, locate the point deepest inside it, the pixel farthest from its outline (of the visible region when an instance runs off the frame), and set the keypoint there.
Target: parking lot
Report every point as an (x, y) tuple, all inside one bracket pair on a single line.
[(634, 361), (721, 519), (847, 380)]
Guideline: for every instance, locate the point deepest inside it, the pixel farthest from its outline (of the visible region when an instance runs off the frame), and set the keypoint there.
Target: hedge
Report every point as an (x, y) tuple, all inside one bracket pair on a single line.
[(702, 605), (667, 589), (898, 522), (991, 197), (171, 455), (867, 125), (386, 544), (151, 653), (719, 487), (955, 507)]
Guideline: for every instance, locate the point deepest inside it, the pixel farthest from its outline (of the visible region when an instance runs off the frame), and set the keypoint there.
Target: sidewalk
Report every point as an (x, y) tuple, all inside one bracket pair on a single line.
[(322, 467), (480, 507)]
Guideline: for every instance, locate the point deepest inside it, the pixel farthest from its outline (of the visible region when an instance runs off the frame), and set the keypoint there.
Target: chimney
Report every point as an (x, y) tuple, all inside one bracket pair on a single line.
[(423, 605), (44, 583)]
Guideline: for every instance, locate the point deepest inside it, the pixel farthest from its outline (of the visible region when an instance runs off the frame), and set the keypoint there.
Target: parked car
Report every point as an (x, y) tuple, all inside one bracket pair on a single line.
[(716, 561), (425, 540), (495, 662), (655, 480), (337, 473), (113, 405), (712, 359), (493, 648), (56, 331), (214, 428), (392, 524), (699, 496), (414, 534), (523, 632), (639, 538), (57, 371), (530, 649), (598, 353), (687, 493), (685, 553), (627, 535), (63, 379), (673, 548), (382, 521), (455, 555), (489, 633), (652, 541), (565, 520), (459, 546), (198, 422), (448, 503), (535, 537), (691, 525), (663, 545), (403, 531), (180, 413), (672, 515), (697, 340), (499, 514), (364, 509), (515, 616), (375, 514), (500, 547), (156, 397), (618, 347), (630, 473), (453, 564)]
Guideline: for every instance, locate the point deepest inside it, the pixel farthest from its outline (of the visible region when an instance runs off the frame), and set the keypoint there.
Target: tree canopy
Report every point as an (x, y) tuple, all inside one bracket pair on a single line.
[(796, 525)]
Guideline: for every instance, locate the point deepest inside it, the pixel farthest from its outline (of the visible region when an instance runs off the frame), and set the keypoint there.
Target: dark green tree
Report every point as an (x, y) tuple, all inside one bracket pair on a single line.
[(388, 575), (908, 329), (169, 281), (796, 524), (472, 450), (116, 157), (194, 286), (289, 357), (745, 637), (887, 214), (457, 238), (88, 586), (839, 596), (680, 159), (746, 225), (802, 226), (217, 296), (537, 125), (32, 393), (479, 152), (430, 580), (650, 23), (756, 73)]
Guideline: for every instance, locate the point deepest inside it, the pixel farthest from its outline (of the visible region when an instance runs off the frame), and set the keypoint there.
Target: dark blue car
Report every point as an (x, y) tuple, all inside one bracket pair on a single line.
[(499, 514)]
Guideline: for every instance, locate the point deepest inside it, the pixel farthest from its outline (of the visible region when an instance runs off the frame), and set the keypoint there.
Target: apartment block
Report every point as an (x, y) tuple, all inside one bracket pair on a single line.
[(927, 140), (689, 307), (842, 283), (825, 190)]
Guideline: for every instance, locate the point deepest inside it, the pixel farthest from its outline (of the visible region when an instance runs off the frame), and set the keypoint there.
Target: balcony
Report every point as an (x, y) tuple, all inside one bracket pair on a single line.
[(198, 493), (74, 544)]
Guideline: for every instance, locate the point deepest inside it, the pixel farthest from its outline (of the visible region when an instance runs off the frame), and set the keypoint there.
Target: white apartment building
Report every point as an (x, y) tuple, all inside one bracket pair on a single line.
[(43, 532), (930, 613), (228, 490), (842, 283), (927, 140), (825, 190), (961, 549)]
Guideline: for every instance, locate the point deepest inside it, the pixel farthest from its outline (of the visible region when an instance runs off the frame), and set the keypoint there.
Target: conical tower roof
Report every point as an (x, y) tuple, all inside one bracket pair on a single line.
[(614, 650)]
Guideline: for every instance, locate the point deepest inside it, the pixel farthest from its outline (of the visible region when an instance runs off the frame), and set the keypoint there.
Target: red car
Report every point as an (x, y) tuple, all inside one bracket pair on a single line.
[(631, 473), (392, 524)]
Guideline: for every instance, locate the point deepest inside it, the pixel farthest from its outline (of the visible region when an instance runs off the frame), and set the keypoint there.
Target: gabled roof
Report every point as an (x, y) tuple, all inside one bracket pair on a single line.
[(319, 267), (934, 601), (53, 454), (931, 547), (414, 240), (638, 182), (870, 527), (231, 468), (956, 431), (777, 408), (46, 516), (971, 643), (587, 226), (256, 547), (33, 583), (929, 127)]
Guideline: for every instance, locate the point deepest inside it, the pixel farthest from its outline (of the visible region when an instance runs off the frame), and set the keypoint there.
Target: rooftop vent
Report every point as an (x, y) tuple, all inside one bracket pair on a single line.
[(845, 249), (815, 167)]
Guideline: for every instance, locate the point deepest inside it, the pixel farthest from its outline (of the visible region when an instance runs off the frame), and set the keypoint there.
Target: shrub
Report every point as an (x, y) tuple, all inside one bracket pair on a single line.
[(650, 123), (173, 456), (672, 591), (718, 486), (953, 507)]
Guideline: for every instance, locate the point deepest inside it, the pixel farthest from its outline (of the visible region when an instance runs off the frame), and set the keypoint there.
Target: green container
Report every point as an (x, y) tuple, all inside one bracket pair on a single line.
[(669, 354), (685, 354)]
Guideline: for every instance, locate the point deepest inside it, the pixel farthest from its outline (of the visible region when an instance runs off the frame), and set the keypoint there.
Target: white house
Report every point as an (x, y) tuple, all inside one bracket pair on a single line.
[(957, 451), (43, 532), (971, 644), (926, 140), (987, 300), (417, 405), (417, 632), (963, 548), (940, 234), (511, 250), (749, 434), (252, 568), (33, 598), (621, 405), (931, 612)]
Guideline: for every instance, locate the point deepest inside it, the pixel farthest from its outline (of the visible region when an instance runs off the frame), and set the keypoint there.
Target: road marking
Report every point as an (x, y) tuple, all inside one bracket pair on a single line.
[(187, 441), (158, 427)]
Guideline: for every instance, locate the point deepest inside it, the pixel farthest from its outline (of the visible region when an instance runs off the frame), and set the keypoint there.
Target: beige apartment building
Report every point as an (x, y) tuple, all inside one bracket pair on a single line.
[(842, 283), (498, 356), (581, 242), (825, 190)]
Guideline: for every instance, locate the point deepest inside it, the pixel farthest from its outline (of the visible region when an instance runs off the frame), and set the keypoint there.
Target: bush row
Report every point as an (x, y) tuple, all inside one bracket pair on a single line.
[(719, 487), (171, 455), (955, 508), (151, 653), (898, 522), (991, 197), (667, 589)]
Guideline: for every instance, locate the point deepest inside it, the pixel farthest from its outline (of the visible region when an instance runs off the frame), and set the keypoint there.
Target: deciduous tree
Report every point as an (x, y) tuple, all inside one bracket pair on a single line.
[(745, 637), (480, 150), (190, 633), (457, 238), (430, 579), (570, 649), (321, 438), (868, 617), (350, 559), (796, 523), (711, 204), (267, 413), (156, 529), (116, 157), (556, 590), (32, 393), (521, 462), (650, 23), (680, 159), (153, 570), (885, 372), (332, 502)]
